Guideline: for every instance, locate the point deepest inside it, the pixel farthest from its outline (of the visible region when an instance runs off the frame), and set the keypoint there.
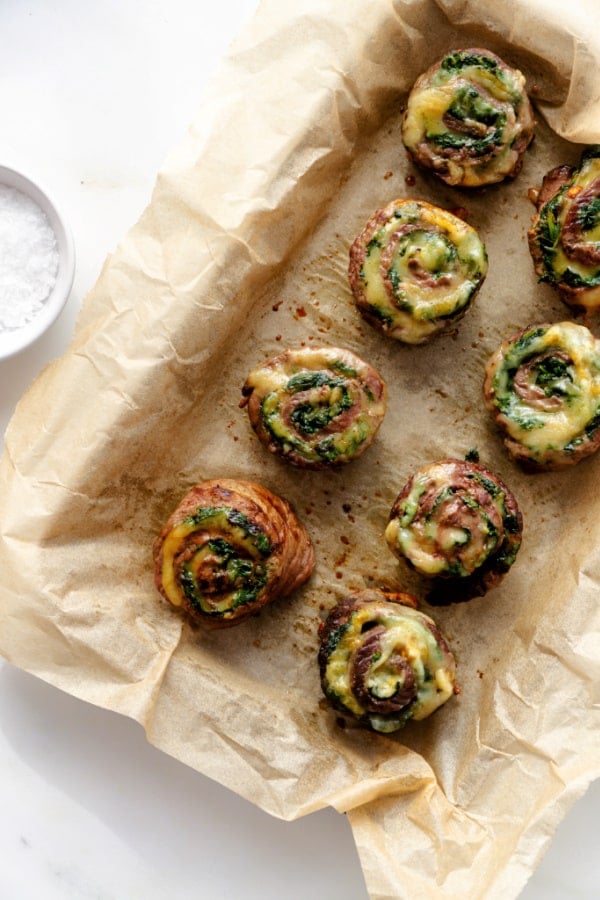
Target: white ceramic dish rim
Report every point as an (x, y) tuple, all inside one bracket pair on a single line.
[(15, 340)]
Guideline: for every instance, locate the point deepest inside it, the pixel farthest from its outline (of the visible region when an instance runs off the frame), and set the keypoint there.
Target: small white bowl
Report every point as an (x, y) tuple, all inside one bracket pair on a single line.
[(14, 340)]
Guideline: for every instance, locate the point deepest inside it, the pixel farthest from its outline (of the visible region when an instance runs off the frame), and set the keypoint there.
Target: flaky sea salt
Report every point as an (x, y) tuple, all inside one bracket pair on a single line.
[(28, 258)]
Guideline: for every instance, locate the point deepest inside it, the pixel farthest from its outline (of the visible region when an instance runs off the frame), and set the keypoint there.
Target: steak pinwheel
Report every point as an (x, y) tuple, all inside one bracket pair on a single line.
[(564, 238), (229, 549), (315, 407), (456, 520), (384, 662), (415, 269), (542, 386), (468, 119)]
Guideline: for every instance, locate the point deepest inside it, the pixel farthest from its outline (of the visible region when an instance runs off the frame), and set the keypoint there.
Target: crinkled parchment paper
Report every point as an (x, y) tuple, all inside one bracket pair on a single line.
[(242, 251)]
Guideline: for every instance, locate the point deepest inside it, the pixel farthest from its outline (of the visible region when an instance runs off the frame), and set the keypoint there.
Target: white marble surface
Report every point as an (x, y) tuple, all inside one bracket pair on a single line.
[(93, 95)]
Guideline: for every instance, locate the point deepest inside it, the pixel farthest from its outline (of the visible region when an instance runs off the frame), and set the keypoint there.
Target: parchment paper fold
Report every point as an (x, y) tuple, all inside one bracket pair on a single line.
[(242, 251)]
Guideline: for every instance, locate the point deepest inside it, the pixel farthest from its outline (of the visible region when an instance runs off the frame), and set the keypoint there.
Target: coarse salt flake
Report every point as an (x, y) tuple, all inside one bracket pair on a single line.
[(28, 258)]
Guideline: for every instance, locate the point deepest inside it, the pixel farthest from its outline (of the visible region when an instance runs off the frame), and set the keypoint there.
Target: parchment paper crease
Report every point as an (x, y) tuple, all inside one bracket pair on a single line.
[(242, 251)]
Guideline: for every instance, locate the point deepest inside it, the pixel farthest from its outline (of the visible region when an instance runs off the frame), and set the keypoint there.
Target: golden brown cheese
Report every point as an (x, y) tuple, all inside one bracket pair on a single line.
[(315, 407), (415, 269), (468, 119), (228, 549), (564, 238), (542, 385), (383, 661), (456, 520)]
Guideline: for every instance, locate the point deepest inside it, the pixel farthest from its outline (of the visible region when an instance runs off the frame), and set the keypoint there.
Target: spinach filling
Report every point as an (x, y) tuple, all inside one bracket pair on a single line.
[(431, 251), (449, 140), (396, 280), (304, 381), (374, 243), (338, 366), (470, 109), (548, 235), (524, 342), (588, 217), (454, 568), (549, 231), (588, 433), (455, 63), (490, 486), (334, 637), (459, 60), (316, 413), (503, 561), (243, 577), (518, 353), (510, 404), (235, 518), (469, 104), (554, 376), (575, 279)]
